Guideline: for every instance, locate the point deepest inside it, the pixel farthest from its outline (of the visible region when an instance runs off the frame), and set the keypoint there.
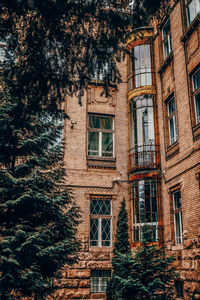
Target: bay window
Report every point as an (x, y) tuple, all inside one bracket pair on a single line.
[(139, 67), (196, 95), (145, 208), (193, 8), (100, 136), (100, 221), (142, 141)]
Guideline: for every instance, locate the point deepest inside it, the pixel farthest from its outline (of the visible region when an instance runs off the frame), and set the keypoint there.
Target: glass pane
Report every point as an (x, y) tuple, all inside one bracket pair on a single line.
[(166, 29), (98, 122), (141, 201), (106, 123), (196, 80), (178, 227), (166, 48), (171, 129), (197, 106), (192, 12), (105, 230), (177, 200), (94, 122), (94, 230), (93, 143), (107, 144), (100, 207), (95, 285)]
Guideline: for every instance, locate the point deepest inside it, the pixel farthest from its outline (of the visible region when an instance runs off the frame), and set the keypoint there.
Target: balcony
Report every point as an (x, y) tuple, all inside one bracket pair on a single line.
[(144, 157)]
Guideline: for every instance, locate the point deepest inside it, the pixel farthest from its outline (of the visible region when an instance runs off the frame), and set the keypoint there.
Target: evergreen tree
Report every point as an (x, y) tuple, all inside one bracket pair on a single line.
[(147, 274), (122, 253), (38, 217), (122, 244)]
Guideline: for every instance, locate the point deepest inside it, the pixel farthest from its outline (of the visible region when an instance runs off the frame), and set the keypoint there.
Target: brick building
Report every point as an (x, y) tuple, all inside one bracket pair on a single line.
[(142, 144)]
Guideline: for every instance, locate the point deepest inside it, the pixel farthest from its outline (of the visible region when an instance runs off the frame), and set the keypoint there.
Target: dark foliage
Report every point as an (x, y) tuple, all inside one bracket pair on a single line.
[(38, 217), (56, 42), (146, 274)]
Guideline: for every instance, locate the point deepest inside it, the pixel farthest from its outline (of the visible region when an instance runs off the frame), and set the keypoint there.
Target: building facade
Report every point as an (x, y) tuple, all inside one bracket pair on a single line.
[(142, 145)]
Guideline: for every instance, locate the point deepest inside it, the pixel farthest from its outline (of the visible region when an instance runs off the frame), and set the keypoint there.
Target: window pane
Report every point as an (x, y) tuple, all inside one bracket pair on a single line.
[(196, 80), (166, 29), (95, 285), (192, 10), (94, 122), (171, 107), (171, 129), (197, 107), (93, 143), (100, 207), (107, 144), (178, 227), (94, 232), (105, 230), (177, 200)]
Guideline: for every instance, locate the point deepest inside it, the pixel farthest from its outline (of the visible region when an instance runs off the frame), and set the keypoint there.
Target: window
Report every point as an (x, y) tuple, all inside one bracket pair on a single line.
[(99, 279), (167, 42), (178, 224), (145, 208), (179, 285), (172, 123), (100, 71), (100, 221), (196, 95), (100, 136), (141, 125), (139, 67), (193, 8)]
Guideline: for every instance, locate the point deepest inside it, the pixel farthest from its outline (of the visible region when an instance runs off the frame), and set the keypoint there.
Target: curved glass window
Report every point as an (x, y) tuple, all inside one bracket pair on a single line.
[(142, 142), (145, 208), (139, 68)]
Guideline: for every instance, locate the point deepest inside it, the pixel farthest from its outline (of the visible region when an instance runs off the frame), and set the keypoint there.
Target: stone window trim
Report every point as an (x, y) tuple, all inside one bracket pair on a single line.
[(100, 141), (175, 194), (98, 281), (100, 221)]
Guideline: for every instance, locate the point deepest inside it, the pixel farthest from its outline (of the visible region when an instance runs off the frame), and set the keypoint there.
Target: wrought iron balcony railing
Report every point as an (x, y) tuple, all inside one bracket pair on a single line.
[(145, 156)]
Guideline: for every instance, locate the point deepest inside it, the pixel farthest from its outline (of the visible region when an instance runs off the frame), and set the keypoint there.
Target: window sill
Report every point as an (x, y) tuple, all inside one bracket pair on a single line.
[(177, 247), (101, 162), (191, 29), (172, 150), (196, 132), (166, 63), (98, 82)]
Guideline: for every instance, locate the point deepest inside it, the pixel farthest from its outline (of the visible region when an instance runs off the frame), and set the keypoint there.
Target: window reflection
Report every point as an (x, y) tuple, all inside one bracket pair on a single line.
[(145, 210), (142, 140), (139, 68)]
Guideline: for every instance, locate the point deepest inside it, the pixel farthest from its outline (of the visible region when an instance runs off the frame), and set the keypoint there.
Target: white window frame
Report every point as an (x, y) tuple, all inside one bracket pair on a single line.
[(195, 93), (100, 131), (100, 284), (100, 218), (178, 211), (172, 116), (167, 38), (195, 4)]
